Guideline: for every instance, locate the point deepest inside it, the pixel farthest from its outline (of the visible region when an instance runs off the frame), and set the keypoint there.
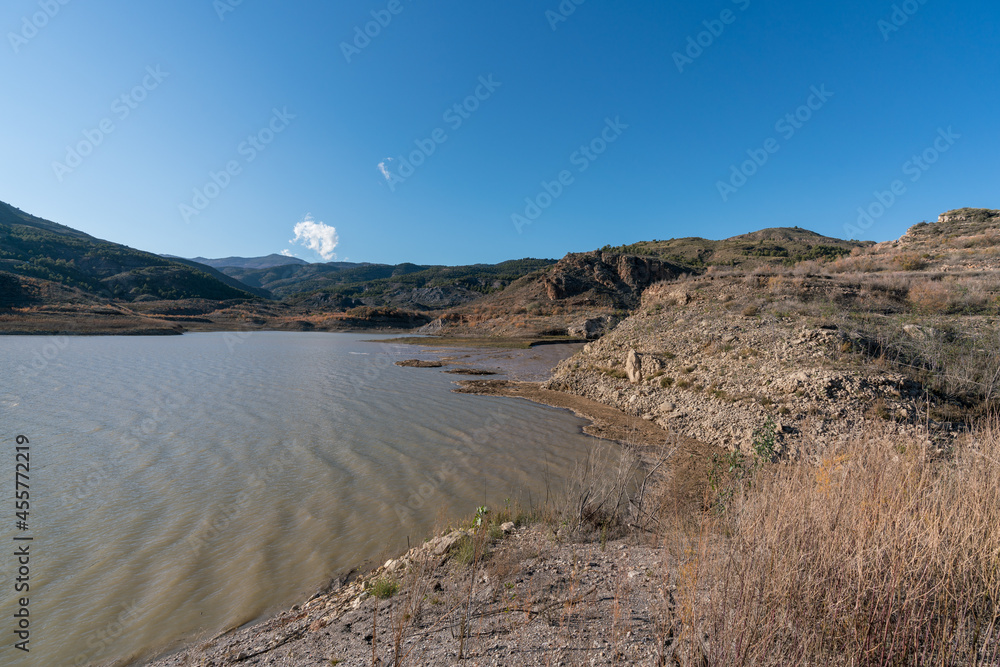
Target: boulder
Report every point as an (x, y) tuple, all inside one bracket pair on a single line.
[(633, 367)]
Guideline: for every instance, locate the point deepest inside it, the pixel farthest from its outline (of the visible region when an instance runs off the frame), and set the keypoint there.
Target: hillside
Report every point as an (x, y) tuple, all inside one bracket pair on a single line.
[(903, 332), (408, 286), (586, 294), (51, 261), (583, 295), (772, 246)]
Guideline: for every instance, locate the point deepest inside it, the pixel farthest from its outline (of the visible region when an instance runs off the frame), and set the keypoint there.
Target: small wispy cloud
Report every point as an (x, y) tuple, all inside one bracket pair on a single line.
[(316, 236), (383, 167), (287, 253)]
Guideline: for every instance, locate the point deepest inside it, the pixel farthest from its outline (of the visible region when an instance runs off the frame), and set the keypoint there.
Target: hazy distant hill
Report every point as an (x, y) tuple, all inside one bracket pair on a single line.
[(266, 262), (45, 257)]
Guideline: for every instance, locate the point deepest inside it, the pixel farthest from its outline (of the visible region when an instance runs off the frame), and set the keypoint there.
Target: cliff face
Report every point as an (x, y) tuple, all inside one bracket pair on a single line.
[(619, 279)]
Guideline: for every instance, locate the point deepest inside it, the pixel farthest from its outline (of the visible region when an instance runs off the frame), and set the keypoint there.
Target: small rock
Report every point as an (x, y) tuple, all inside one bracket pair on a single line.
[(440, 544)]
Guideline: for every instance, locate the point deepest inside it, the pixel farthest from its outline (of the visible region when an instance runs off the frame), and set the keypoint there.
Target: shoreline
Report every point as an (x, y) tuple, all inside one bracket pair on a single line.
[(348, 599), (351, 600), (686, 476), (346, 593)]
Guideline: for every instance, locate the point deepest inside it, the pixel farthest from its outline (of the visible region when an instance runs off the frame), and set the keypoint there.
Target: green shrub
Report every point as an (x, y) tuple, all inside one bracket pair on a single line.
[(384, 587)]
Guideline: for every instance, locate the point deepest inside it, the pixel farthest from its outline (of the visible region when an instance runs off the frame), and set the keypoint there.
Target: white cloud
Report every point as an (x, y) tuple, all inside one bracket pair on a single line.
[(383, 167), (317, 236), (287, 253)]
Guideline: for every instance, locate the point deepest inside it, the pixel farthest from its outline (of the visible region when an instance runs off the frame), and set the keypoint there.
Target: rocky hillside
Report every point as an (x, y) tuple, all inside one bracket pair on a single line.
[(775, 246), (583, 294), (902, 333), (586, 294)]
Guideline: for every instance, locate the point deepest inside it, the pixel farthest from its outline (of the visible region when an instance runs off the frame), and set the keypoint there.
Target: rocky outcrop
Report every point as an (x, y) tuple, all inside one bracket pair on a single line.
[(419, 363), (695, 365), (583, 294), (969, 214), (619, 279)]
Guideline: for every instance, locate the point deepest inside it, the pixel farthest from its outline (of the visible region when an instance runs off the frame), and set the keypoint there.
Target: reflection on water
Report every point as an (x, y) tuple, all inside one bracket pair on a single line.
[(184, 485)]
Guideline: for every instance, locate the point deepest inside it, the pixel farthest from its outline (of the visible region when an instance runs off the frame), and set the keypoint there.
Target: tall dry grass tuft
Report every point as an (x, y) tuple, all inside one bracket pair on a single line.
[(601, 493), (880, 555)]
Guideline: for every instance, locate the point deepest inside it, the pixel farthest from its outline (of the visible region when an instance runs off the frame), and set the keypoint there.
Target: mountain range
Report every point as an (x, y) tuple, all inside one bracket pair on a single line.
[(47, 267)]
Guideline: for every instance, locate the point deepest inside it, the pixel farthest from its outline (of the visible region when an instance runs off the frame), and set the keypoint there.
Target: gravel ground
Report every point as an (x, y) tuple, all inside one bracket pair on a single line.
[(534, 599)]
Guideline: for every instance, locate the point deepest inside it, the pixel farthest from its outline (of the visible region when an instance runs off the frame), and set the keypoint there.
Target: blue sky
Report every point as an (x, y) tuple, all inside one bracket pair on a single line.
[(578, 125)]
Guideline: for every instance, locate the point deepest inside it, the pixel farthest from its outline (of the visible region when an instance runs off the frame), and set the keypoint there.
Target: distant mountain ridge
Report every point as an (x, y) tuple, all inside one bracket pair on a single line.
[(409, 286), (609, 279), (266, 262)]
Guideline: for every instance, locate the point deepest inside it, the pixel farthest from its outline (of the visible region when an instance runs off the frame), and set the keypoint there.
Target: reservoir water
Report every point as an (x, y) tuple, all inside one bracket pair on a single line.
[(180, 486)]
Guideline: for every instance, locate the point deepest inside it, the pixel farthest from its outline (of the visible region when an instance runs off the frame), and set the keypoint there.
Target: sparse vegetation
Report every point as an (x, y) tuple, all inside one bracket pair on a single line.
[(384, 587), (879, 555), (878, 544)]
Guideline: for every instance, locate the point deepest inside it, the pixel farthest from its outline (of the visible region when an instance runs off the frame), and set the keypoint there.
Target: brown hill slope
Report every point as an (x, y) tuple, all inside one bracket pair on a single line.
[(582, 294), (903, 334), (586, 294)]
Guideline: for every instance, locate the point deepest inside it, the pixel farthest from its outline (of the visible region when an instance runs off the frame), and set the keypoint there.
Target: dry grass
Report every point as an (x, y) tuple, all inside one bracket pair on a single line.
[(599, 495), (880, 555)]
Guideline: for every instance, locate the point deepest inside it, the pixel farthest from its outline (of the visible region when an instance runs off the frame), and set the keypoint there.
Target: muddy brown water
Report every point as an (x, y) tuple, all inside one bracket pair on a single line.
[(184, 485)]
